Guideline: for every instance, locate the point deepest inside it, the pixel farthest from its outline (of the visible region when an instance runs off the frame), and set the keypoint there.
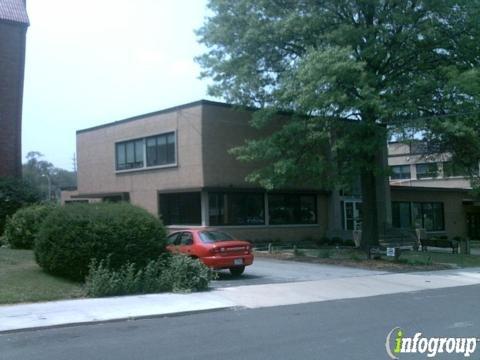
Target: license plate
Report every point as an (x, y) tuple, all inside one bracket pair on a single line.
[(238, 262)]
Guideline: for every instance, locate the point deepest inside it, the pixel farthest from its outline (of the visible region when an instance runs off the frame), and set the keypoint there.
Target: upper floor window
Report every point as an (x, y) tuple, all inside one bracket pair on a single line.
[(129, 154), (146, 152), (451, 169), (161, 149), (428, 170), (400, 172)]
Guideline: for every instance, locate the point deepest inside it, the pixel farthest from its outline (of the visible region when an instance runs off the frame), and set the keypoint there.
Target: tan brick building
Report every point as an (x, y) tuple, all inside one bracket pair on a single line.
[(13, 27), (176, 164)]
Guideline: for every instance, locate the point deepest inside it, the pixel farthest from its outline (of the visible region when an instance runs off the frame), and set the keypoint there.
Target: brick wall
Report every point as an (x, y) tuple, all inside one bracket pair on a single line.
[(12, 64)]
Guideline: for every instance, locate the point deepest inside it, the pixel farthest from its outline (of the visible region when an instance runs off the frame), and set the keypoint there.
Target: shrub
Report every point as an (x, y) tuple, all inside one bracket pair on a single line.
[(22, 227), (323, 241), (348, 242), (14, 194), (336, 241), (71, 236), (168, 273)]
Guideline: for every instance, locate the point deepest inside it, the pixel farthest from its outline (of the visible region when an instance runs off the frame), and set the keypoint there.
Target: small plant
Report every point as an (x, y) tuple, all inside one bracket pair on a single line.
[(297, 251), (355, 256), (336, 241), (177, 273), (323, 241), (324, 254)]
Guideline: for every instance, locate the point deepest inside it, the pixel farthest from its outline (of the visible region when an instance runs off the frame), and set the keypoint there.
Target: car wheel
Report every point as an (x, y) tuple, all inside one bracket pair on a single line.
[(237, 271)]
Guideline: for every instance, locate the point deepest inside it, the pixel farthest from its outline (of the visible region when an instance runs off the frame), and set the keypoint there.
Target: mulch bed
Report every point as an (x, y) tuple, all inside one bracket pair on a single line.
[(381, 265)]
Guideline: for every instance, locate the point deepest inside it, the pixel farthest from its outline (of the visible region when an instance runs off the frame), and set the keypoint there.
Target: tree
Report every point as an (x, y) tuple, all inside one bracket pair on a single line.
[(46, 178), (352, 73), (14, 194)]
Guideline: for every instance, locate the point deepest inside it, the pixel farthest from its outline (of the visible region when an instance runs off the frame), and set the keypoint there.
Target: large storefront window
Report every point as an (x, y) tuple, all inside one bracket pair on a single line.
[(292, 209), (236, 208), (425, 215), (428, 216), (401, 214), (352, 214), (181, 208)]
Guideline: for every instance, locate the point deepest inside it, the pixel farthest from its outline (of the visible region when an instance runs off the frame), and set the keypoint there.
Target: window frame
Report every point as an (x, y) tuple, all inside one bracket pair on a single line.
[(401, 172), (299, 195), (428, 175), (144, 140)]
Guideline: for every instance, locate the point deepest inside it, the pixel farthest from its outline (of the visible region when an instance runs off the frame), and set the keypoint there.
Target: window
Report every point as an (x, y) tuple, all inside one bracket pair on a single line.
[(352, 214), (180, 208), (292, 209), (236, 208), (129, 154), (401, 214), (149, 152), (453, 169), (174, 239), (186, 239), (429, 170), (400, 172), (161, 150), (209, 237), (428, 216)]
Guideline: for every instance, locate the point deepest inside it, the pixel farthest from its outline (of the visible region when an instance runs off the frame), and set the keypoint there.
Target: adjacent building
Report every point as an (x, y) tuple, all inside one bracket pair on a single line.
[(430, 191), (13, 27)]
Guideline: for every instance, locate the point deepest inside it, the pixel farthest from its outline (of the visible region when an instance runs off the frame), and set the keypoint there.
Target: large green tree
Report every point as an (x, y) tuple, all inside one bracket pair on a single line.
[(352, 72)]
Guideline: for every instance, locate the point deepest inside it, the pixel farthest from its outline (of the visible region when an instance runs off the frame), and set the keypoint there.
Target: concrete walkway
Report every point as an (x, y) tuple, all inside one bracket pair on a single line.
[(57, 313)]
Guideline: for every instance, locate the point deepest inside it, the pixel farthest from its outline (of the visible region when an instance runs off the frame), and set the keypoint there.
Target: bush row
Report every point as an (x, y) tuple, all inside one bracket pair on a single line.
[(177, 273)]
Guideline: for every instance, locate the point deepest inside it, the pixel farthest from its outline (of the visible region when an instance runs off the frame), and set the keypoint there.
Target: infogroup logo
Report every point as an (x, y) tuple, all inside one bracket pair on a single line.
[(397, 343)]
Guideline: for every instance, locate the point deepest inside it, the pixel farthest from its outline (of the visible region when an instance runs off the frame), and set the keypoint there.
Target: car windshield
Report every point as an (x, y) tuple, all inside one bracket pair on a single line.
[(214, 236)]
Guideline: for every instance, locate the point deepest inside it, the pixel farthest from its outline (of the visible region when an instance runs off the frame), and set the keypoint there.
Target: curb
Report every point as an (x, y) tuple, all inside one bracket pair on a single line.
[(124, 319)]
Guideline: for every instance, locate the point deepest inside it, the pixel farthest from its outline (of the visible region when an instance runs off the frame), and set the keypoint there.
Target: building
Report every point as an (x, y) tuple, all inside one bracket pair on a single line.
[(176, 164), (430, 191), (13, 27)]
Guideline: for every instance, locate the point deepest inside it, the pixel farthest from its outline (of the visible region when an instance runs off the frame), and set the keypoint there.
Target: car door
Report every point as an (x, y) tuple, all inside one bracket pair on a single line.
[(173, 242), (186, 243)]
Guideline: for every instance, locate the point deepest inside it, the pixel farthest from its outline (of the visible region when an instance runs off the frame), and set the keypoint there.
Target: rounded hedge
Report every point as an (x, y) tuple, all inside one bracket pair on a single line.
[(71, 236), (22, 227)]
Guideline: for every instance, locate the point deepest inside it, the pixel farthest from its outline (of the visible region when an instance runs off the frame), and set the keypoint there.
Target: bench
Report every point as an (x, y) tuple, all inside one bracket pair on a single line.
[(440, 243)]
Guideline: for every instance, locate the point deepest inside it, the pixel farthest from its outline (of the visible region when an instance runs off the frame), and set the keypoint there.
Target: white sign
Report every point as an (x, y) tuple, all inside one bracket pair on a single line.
[(390, 251)]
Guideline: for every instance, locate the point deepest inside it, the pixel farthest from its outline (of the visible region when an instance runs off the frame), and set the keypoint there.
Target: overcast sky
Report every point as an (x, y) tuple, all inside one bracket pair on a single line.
[(91, 62)]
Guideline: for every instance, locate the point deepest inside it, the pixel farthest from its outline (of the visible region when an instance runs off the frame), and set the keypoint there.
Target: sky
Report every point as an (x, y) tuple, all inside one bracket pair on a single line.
[(92, 62)]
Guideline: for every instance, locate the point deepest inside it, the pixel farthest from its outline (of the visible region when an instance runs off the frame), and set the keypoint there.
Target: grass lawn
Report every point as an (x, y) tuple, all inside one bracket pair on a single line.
[(22, 280)]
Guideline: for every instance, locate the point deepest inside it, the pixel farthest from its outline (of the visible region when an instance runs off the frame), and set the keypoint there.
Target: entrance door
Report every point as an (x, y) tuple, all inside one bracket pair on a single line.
[(473, 225)]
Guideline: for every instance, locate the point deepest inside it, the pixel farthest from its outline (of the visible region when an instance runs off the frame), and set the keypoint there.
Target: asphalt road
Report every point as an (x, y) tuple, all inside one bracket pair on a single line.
[(270, 271), (342, 329)]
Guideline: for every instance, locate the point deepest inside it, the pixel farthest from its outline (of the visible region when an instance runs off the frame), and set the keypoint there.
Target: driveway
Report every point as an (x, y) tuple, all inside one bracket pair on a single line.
[(271, 271)]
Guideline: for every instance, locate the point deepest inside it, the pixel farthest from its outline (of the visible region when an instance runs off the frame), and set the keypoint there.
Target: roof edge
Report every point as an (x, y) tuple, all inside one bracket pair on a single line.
[(158, 112)]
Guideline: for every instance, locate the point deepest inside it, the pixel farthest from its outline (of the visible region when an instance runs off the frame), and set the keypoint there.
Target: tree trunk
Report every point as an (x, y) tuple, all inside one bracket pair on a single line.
[(370, 234)]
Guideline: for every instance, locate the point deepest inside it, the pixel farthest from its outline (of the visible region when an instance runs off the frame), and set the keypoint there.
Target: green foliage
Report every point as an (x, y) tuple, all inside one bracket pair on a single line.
[(22, 227), (297, 251), (14, 194), (324, 254), (46, 178), (176, 273), (71, 236), (412, 68)]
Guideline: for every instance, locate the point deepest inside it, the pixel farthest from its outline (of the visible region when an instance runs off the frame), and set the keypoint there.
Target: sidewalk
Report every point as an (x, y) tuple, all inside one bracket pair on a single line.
[(57, 313)]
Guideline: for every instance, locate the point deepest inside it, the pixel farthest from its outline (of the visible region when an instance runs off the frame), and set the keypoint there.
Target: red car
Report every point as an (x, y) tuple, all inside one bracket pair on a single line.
[(214, 248)]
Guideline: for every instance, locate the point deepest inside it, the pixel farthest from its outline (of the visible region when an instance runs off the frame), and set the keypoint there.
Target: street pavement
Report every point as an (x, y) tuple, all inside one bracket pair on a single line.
[(338, 329), (329, 286)]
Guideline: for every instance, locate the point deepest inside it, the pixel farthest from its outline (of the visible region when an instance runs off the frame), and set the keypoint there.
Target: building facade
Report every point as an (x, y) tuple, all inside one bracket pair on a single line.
[(13, 27), (430, 191), (176, 164)]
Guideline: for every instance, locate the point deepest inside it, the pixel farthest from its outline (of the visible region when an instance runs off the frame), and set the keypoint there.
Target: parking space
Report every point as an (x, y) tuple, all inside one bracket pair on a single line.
[(270, 271)]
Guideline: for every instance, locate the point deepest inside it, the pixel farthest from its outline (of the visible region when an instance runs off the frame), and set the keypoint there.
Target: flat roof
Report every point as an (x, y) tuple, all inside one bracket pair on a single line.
[(159, 112)]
